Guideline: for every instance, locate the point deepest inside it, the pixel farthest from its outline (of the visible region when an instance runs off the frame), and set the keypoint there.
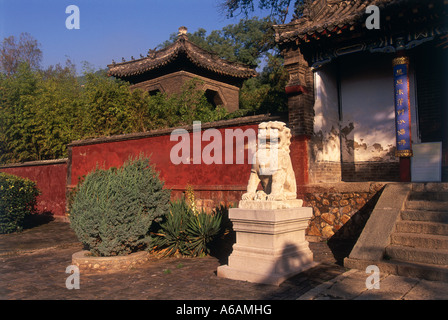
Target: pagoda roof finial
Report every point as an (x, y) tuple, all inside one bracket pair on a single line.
[(183, 31)]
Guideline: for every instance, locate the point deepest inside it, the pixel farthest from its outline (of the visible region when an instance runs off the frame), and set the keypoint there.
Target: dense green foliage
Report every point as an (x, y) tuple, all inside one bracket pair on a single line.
[(112, 210), (41, 111), (17, 201), (187, 231), (266, 93)]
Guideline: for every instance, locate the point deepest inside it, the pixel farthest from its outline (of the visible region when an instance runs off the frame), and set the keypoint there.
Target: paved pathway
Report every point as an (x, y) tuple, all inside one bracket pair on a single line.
[(351, 285), (33, 264)]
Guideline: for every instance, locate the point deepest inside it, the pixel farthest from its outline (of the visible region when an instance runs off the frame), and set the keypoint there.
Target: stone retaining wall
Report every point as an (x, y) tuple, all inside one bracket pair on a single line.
[(340, 210)]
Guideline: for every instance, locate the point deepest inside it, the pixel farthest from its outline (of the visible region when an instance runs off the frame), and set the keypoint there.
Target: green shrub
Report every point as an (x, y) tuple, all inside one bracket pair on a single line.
[(112, 210), (186, 231), (17, 201)]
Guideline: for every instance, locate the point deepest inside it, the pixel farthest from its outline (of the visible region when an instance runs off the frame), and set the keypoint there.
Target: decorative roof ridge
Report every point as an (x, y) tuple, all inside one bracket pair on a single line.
[(329, 15), (216, 55), (151, 55), (194, 53)]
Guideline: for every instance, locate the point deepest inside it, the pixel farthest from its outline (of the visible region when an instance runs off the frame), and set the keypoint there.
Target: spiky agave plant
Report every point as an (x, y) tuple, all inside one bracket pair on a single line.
[(186, 233), (202, 230), (172, 238)]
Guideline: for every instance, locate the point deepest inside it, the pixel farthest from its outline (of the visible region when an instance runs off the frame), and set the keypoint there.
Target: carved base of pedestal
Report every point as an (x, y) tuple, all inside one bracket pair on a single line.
[(263, 268), (270, 245)]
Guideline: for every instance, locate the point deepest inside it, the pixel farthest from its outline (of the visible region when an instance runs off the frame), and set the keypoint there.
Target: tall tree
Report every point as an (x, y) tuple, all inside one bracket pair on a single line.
[(279, 9), (13, 52)]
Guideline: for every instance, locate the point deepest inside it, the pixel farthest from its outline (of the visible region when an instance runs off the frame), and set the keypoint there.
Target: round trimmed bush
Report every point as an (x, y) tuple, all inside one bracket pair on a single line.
[(17, 201), (112, 210)]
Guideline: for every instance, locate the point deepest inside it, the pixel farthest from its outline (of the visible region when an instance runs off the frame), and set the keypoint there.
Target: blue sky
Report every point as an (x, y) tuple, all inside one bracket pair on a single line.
[(109, 29)]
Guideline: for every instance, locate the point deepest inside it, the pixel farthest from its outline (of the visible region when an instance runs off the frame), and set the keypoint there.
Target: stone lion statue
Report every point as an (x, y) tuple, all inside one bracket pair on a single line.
[(272, 165)]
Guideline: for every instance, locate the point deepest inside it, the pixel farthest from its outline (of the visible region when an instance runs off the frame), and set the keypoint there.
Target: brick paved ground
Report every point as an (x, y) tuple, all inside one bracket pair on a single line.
[(33, 264)]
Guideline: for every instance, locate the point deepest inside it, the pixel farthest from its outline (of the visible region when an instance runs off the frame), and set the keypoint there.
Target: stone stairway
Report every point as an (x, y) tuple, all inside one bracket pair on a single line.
[(419, 242)]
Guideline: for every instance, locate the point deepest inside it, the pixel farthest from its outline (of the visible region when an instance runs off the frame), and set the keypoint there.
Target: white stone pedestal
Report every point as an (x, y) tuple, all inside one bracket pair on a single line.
[(270, 245)]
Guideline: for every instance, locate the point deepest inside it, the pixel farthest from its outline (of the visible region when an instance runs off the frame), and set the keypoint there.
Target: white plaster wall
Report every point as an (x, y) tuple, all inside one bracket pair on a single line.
[(368, 116), (366, 131), (326, 146)]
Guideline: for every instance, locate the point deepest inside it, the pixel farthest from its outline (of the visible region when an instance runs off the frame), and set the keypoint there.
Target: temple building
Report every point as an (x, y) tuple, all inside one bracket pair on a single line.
[(368, 88), (166, 70)]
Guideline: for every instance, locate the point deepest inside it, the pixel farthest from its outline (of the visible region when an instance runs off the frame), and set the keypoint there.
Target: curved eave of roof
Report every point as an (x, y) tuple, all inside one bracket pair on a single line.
[(333, 17), (198, 56)]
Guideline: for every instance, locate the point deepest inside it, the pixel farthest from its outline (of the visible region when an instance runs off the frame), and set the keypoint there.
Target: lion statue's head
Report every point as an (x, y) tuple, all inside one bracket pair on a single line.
[(274, 133)]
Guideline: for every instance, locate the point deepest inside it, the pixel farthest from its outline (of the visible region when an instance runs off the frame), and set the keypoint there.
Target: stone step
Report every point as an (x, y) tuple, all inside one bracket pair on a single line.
[(416, 270), (418, 240), (428, 196), (403, 268), (424, 215), (435, 228), (419, 255), (427, 205)]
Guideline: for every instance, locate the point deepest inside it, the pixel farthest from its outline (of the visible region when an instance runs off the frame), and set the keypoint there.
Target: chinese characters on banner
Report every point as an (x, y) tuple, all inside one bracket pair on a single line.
[(402, 107)]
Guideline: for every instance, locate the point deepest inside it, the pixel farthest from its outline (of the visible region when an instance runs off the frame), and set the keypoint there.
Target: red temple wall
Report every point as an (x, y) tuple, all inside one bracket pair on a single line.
[(213, 184), (50, 177)]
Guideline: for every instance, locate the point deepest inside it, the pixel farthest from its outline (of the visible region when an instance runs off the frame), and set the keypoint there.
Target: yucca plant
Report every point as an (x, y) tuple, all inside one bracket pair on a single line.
[(171, 238), (185, 232), (202, 230)]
